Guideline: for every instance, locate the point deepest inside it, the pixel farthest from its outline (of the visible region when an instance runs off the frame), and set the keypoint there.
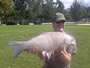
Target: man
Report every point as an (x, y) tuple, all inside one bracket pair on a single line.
[(61, 58)]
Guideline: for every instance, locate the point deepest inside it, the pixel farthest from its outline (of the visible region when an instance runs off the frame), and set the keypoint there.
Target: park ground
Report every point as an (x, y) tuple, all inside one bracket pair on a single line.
[(25, 32)]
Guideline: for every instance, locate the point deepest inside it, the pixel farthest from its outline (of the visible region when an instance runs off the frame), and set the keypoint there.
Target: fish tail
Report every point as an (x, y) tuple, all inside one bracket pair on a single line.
[(17, 49)]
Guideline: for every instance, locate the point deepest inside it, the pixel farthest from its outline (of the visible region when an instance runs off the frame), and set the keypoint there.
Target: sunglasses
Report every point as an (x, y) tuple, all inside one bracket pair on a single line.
[(62, 21)]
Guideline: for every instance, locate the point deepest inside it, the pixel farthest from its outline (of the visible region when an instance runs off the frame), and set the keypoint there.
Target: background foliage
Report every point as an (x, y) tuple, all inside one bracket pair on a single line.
[(41, 10)]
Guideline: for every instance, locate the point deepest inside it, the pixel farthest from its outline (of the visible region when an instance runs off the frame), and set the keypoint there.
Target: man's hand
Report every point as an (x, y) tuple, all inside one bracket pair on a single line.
[(61, 49), (42, 54), (33, 50)]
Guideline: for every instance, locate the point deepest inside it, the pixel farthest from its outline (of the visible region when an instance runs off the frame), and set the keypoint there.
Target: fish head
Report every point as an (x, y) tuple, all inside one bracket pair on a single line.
[(69, 40)]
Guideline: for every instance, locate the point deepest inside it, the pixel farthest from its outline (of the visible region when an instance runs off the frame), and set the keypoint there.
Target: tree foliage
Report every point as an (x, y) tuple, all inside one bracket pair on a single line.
[(37, 9), (88, 12), (59, 6), (41, 10), (78, 11), (5, 7), (75, 10)]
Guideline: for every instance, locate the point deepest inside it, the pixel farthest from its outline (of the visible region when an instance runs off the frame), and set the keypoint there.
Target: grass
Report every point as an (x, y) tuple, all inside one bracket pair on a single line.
[(25, 60)]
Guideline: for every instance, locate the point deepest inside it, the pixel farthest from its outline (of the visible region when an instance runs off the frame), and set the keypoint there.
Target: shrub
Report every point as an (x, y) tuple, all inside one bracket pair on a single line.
[(23, 23), (10, 23), (36, 22)]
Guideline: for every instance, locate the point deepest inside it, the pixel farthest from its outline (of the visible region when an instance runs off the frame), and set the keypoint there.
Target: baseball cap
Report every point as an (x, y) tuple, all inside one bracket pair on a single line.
[(59, 17)]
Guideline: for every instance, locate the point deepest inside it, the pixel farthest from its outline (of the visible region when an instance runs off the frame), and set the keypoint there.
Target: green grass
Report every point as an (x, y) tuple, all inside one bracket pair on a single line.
[(25, 60)]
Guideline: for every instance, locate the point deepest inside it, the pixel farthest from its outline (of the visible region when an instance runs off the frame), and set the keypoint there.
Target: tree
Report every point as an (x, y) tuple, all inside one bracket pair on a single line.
[(31, 9), (48, 9), (5, 8), (88, 12), (37, 9), (59, 6), (28, 9), (19, 7), (76, 11), (68, 15)]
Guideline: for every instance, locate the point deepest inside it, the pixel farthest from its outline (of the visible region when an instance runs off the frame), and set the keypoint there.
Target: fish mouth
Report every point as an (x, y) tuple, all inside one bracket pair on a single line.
[(74, 43)]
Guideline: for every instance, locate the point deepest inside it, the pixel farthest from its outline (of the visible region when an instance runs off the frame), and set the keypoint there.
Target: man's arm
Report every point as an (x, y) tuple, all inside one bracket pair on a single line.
[(34, 50), (64, 56)]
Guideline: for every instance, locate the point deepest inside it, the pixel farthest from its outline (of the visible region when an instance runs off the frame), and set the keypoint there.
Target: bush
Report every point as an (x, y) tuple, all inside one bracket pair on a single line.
[(37, 22), (24, 23), (10, 23)]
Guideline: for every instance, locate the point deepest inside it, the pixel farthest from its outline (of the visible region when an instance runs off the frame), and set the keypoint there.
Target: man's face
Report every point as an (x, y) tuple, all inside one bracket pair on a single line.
[(58, 26)]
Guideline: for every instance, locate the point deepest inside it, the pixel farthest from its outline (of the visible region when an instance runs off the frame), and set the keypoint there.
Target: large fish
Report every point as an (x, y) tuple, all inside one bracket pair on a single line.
[(48, 41)]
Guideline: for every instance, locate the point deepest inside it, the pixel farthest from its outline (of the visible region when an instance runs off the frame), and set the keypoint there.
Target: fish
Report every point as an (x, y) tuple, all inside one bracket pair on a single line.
[(47, 41)]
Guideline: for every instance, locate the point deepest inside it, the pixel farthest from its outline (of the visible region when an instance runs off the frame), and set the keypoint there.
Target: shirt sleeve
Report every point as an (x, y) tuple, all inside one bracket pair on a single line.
[(72, 49)]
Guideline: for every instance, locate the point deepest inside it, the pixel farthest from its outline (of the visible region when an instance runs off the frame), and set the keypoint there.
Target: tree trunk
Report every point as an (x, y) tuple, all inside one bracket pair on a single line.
[(75, 23)]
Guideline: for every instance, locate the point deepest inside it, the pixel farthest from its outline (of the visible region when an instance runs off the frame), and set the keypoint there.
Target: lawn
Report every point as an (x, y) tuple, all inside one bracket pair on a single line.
[(26, 60)]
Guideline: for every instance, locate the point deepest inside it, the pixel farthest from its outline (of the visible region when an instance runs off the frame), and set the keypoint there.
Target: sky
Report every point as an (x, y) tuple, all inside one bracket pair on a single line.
[(68, 3)]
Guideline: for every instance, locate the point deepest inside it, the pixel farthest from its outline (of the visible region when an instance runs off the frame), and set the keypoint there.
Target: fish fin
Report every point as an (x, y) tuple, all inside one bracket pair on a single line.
[(16, 49), (48, 54)]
